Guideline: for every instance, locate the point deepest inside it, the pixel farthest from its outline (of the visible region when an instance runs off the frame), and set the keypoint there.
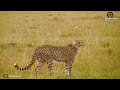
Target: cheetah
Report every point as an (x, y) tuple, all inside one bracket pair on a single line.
[(48, 53)]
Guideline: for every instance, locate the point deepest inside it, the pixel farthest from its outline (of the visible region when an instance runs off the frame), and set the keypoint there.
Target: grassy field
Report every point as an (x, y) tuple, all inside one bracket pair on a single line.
[(22, 32)]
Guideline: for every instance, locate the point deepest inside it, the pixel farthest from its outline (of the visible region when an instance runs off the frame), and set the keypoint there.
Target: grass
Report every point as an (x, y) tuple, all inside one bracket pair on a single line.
[(22, 32)]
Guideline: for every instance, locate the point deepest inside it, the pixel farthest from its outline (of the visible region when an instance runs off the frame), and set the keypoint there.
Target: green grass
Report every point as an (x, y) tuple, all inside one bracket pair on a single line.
[(22, 32)]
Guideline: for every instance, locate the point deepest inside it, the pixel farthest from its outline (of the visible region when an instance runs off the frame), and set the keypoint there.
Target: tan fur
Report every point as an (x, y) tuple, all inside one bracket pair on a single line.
[(48, 53)]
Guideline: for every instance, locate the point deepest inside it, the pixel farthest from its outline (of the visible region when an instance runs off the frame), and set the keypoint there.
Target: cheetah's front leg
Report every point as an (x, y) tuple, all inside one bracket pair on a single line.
[(68, 69)]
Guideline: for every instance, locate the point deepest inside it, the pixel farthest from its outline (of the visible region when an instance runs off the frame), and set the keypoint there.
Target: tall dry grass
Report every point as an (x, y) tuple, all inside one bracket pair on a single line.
[(22, 32)]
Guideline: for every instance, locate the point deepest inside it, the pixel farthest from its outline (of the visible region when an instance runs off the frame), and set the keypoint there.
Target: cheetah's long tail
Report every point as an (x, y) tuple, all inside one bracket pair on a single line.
[(28, 66)]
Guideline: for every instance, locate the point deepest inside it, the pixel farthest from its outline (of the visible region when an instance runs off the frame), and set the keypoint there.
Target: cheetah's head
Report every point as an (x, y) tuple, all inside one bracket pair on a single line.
[(77, 43)]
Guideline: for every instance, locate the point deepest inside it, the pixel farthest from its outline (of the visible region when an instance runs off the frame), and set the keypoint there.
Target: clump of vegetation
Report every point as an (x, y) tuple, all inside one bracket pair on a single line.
[(12, 44), (30, 45), (105, 44)]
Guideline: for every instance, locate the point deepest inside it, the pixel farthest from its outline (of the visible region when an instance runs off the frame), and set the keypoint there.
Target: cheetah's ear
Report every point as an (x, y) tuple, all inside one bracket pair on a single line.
[(74, 42)]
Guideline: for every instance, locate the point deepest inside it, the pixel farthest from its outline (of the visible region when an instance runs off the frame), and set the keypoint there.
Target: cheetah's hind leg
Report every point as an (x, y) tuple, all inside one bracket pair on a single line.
[(38, 68), (50, 65)]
